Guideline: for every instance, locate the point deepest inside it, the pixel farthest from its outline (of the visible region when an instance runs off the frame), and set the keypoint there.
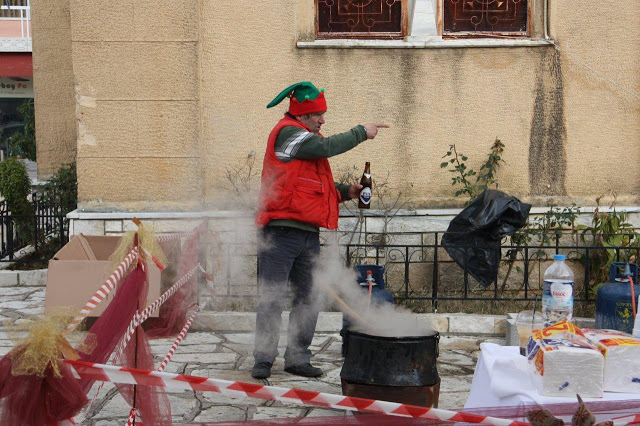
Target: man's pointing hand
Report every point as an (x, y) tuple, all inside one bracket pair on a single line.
[(372, 129)]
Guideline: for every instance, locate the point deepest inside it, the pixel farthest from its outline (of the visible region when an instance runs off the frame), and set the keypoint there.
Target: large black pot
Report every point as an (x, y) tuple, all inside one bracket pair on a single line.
[(390, 361)]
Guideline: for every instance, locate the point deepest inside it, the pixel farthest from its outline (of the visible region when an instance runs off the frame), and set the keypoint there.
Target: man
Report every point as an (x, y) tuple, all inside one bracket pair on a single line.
[(297, 198)]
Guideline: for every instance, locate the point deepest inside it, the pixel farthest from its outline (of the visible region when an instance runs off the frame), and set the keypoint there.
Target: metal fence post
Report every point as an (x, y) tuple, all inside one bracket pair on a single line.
[(434, 287)]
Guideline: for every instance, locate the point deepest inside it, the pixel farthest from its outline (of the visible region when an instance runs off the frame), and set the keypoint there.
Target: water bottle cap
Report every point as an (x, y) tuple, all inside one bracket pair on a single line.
[(559, 257)]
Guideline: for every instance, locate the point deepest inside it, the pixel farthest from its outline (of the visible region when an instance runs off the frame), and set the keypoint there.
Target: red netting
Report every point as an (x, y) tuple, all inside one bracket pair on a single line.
[(33, 400), (151, 401), (37, 401), (173, 313)]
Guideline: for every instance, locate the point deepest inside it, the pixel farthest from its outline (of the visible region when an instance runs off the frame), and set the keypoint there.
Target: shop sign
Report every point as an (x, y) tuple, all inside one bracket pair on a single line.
[(16, 87)]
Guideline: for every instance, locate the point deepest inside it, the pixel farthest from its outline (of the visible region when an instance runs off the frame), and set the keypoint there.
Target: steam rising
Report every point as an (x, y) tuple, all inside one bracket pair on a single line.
[(381, 319)]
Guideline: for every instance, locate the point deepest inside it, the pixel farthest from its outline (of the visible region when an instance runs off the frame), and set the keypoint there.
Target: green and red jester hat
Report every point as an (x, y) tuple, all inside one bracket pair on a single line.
[(304, 98)]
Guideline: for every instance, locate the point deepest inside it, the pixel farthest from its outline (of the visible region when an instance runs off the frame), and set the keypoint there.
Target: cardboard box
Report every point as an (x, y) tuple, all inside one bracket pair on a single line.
[(81, 267)]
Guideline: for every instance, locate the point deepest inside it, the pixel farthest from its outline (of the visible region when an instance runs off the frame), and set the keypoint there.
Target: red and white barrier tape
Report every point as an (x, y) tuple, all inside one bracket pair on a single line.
[(627, 420), (139, 318), (108, 373), (165, 238), (175, 345), (132, 417), (167, 357), (104, 290)]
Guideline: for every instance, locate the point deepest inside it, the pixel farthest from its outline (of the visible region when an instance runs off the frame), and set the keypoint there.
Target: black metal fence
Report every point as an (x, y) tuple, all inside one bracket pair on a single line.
[(33, 237), (420, 272)]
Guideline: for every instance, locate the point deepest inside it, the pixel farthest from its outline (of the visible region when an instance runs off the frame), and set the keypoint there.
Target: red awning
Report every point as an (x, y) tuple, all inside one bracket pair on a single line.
[(16, 64)]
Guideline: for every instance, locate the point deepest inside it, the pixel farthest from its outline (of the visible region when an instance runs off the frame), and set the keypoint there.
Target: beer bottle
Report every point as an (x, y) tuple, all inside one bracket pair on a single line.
[(364, 201)]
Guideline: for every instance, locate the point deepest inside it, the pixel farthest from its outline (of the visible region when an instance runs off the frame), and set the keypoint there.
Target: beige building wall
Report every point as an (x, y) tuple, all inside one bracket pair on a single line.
[(55, 103), (172, 95), (136, 66)]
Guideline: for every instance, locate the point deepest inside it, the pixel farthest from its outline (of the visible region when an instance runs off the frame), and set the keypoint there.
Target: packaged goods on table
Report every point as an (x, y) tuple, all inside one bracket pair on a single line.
[(565, 362), (621, 359)]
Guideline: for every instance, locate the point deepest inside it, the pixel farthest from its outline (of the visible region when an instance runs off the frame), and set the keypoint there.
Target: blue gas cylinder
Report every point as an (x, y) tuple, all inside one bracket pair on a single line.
[(613, 306), (378, 293)]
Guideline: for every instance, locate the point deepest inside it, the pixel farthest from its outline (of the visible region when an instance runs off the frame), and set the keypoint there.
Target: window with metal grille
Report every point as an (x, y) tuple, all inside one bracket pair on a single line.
[(485, 17), (13, 8), (361, 18)]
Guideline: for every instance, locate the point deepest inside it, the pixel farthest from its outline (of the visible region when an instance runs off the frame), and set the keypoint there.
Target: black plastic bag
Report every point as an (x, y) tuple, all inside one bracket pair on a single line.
[(473, 237)]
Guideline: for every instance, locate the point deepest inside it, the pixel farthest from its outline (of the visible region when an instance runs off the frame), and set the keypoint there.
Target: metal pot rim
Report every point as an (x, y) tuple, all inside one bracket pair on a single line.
[(355, 332)]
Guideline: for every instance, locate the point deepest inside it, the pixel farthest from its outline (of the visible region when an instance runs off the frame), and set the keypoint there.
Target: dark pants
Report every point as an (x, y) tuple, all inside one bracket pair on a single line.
[(286, 254)]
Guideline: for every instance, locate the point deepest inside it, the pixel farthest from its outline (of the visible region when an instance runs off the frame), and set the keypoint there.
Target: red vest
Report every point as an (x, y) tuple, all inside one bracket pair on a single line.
[(301, 190)]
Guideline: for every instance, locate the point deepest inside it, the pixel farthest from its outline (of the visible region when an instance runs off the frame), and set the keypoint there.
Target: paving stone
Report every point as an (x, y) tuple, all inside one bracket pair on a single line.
[(452, 400), (116, 407), (205, 358), (457, 358), (447, 370), (16, 291), (324, 412), (329, 321), (242, 338), (264, 413), (186, 349), (217, 355), (225, 321), (182, 403), (32, 311), (238, 348), (199, 338), (221, 413), (455, 383), (313, 385), (16, 305), (468, 343)]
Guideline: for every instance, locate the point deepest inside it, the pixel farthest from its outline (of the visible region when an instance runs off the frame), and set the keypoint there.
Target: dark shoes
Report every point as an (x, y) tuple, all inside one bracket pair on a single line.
[(261, 370), (305, 370)]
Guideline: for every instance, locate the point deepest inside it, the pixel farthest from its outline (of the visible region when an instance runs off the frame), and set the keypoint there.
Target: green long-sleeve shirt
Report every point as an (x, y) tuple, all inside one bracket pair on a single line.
[(296, 143)]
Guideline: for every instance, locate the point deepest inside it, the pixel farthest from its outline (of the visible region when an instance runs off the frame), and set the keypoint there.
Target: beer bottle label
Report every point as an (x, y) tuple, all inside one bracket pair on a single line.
[(367, 175), (365, 195)]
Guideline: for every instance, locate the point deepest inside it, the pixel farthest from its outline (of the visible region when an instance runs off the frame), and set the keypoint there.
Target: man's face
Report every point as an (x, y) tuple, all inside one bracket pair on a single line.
[(313, 121)]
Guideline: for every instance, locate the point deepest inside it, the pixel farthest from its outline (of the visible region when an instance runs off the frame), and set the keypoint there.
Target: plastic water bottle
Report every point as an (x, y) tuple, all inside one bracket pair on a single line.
[(557, 292)]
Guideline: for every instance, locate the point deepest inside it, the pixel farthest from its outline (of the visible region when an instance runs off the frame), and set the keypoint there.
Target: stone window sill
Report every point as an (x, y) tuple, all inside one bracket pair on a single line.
[(430, 42)]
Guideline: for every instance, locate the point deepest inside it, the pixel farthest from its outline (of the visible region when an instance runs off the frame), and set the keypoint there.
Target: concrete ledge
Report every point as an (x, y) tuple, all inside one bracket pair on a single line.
[(457, 324), (429, 42), (34, 278)]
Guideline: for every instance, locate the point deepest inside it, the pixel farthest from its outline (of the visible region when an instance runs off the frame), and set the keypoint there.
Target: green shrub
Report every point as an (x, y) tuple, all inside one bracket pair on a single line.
[(15, 187), (62, 188), (23, 143)]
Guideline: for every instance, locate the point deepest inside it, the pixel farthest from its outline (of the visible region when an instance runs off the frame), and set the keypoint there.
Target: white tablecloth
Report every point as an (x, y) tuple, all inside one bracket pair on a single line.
[(502, 379)]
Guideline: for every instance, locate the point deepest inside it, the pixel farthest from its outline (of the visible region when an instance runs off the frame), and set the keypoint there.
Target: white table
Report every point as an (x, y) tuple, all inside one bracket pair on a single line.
[(502, 379)]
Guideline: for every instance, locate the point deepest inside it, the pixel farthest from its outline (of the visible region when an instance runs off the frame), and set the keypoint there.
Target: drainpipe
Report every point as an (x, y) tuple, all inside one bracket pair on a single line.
[(546, 20)]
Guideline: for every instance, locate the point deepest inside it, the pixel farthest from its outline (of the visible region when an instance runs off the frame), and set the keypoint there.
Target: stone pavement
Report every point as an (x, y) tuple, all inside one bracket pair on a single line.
[(227, 355)]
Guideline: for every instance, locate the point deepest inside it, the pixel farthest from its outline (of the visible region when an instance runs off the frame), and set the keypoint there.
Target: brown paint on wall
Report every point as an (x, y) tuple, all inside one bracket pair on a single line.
[(547, 157)]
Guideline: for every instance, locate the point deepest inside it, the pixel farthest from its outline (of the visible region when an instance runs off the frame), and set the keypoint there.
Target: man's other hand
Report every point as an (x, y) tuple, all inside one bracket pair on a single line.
[(354, 190), (372, 129)]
